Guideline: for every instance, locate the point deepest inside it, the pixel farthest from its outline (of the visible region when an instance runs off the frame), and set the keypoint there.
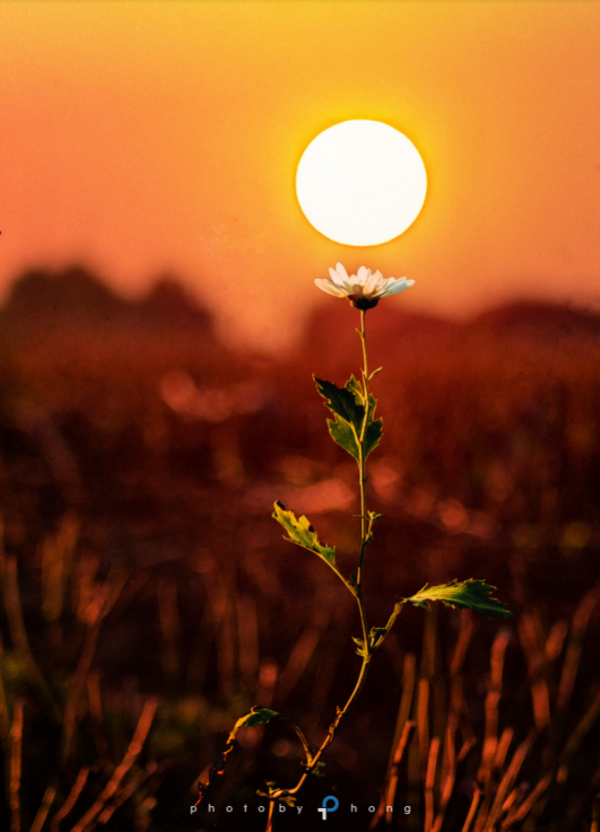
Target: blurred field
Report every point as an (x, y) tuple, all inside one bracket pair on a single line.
[(148, 592)]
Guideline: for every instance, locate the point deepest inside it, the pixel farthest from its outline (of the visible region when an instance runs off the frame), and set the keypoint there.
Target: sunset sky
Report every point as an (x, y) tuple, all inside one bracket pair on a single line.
[(143, 138)]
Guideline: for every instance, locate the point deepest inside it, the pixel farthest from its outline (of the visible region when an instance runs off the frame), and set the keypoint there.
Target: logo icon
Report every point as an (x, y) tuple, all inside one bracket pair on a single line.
[(324, 807)]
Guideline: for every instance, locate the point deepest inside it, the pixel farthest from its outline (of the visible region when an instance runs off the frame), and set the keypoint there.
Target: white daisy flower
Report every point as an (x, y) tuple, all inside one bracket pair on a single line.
[(363, 289)]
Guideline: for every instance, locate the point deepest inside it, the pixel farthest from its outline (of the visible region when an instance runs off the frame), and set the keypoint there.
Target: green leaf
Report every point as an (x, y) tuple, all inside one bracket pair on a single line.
[(376, 636), (346, 402), (302, 533), (341, 432), (471, 594), (256, 716), (374, 429), (348, 405)]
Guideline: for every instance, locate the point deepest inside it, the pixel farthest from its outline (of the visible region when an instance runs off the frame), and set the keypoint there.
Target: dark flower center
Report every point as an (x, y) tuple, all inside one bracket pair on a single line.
[(360, 302)]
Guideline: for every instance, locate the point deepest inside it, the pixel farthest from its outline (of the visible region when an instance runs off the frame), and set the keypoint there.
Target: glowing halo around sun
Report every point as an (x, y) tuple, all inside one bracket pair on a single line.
[(361, 183)]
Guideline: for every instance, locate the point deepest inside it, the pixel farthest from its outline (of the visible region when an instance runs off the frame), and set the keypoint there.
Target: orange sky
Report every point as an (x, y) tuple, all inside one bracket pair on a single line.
[(143, 137)]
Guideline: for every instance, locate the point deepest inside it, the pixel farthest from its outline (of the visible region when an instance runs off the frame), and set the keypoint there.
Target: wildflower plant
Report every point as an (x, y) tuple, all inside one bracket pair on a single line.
[(356, 429)]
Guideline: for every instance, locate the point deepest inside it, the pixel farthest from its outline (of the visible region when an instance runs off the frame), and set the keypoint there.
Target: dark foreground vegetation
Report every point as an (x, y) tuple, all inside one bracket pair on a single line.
[(148, 599)]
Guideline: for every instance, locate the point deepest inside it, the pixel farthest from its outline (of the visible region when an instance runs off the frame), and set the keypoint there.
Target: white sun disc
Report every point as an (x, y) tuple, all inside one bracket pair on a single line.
[(361, 183)]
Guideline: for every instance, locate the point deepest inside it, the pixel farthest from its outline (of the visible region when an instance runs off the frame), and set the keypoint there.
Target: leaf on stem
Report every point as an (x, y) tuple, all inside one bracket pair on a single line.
[(289, 800), (318, 770), (376, 636), (256, 716), (471, 594), (302, 533), (348, 405), (361, 650)]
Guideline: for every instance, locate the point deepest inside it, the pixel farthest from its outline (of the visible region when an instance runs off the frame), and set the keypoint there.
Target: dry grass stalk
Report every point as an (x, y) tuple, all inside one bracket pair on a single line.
[(423, 724), (492, 700), (14, 614), (402, 734), (506, 783), (67, 806), (95, 602), (503, 746), (45, 806), (462, 643), (16, 751), (4, 717), (94, 697), (509, 807), (529, 626), (523, 810), (556, 638), (390, 795), (429, 782), (76, 689), (126, 791), (57, 556), (574, 741), (135, 746), (579, 624), (448, 769), (408, 687), (472, 810)]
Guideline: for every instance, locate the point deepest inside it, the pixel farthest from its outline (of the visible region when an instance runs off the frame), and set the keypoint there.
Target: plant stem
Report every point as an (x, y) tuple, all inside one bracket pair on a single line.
[(362, 461), (366, 523)]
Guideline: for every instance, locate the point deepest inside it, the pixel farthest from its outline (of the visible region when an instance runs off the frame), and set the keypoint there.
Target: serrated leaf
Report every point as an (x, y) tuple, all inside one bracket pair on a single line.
[(341, 432), (353, 386), (256, 716), (348, 405), (346, 401), (471, 594), (301, 532)]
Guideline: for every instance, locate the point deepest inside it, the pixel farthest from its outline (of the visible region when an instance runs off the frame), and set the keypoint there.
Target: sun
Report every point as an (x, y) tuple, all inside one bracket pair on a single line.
[(361, 183)]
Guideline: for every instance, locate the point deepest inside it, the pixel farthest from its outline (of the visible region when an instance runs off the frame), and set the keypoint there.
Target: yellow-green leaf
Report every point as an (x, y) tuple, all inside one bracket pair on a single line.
[(471, 594), (301, 532)]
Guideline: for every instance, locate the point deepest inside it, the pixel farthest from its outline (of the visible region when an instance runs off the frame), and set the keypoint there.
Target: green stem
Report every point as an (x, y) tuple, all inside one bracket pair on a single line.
[(363, 338), (366, 523), (362, 462)]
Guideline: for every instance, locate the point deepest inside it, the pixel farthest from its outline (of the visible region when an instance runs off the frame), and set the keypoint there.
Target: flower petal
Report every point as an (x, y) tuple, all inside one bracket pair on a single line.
[(373, 284), (397, 286), (341, 271), (363, 274), (330, 288)]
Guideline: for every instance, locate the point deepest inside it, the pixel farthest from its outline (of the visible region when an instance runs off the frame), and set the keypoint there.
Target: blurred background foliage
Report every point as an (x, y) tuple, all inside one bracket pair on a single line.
[(148, 599)]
